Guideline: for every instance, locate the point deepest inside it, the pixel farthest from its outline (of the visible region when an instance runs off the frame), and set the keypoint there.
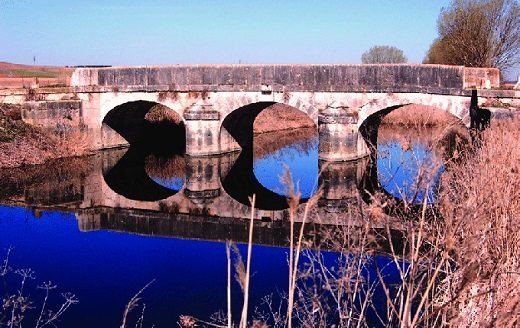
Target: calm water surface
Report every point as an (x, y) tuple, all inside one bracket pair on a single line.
[(399, 170), (105, 268)]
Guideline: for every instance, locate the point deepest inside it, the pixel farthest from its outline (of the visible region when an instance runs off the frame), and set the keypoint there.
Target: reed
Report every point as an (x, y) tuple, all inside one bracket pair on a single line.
[(456, 261)]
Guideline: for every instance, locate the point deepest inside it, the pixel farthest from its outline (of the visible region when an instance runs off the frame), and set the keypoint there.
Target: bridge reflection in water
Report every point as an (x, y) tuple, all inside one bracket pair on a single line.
[(113, 191)]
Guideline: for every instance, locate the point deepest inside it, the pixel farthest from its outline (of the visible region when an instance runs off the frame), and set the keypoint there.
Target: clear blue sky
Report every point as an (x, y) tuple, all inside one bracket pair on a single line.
[(80, 32)]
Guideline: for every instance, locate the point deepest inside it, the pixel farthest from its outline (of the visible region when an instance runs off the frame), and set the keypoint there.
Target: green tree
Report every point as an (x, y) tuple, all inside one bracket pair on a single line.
[(382, 55), (478, 33)]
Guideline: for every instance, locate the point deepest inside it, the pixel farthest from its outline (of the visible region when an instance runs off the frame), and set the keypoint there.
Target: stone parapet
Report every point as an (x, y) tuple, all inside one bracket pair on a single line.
[(481, 78), (324, 78)]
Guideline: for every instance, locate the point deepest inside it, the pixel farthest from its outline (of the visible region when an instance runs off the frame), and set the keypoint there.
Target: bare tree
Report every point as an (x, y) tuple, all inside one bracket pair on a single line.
[(478, 33), (382, 55)]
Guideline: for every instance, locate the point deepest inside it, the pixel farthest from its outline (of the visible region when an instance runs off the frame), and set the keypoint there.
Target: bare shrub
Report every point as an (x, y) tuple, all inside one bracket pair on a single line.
[(281, 117), (480, 201), (159, 113)]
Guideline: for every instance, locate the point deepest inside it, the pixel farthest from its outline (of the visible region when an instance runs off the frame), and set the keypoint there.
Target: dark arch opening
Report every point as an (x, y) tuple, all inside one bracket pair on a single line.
[(149, 123), (239, 123), (246, 125), (155, 134)]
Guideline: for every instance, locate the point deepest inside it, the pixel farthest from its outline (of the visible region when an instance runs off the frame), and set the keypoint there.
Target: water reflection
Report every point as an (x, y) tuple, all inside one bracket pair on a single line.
[(123, 203), (195, 200), (410, 160), (105, 269), (168, 171), (128, 178), (300, 158), (409, 172)]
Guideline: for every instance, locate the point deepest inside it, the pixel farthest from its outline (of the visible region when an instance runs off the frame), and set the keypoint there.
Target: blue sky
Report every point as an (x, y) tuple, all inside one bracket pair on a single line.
[(78, 32)]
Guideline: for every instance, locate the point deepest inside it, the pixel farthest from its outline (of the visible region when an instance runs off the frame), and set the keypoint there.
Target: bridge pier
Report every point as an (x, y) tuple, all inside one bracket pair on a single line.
[(202, 124), (340, 182), (340, 139), (202, 178)]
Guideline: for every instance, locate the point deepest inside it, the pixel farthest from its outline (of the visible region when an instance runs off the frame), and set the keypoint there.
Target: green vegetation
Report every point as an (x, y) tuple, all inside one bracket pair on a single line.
[(32, 73), (478, 33), (383, 55)]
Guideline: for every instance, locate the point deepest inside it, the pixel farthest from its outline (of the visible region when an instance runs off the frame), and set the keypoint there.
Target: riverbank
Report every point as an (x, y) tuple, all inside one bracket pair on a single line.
[(22, 144)]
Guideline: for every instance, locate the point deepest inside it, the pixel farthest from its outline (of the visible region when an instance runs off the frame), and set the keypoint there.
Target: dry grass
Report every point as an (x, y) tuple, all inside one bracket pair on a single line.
[(279, 117), (480, 202), (23, 144), (159, 113), (420, 115)]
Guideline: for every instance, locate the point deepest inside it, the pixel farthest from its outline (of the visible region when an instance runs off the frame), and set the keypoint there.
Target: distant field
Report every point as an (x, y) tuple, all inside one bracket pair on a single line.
[(23, 76)]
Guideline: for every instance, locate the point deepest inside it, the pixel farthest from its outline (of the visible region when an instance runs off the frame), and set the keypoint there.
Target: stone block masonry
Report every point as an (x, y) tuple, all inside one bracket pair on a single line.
[(53, 115), (440, 79)]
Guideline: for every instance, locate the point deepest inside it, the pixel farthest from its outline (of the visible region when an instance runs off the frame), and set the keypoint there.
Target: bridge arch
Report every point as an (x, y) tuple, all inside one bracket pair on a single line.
[(385, 103), (143, 121), (241, 124)]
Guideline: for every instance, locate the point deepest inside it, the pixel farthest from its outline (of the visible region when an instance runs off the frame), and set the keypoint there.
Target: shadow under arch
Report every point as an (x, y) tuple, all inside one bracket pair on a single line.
[(128, 178), (370, 127), (130, 122), (127, 119), (239, 123)]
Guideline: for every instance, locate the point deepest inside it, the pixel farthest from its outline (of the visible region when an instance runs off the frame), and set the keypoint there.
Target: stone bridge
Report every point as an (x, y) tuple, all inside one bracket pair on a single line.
[(218, 103)]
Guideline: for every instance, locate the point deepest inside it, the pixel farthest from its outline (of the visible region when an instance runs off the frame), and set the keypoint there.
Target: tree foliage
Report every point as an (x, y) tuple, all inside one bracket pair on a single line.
[(382, 55), (478, 33)]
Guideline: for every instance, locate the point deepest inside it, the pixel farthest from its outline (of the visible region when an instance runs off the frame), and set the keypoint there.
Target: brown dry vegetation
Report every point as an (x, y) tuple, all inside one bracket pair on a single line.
[(463, 255), (281, 117), (480, 203), (165, 167), (420, 115), (22, 144), (160, 113)]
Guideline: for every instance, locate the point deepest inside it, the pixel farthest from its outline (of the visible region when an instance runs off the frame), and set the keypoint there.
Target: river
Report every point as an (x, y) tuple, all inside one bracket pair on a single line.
[(105, 226)]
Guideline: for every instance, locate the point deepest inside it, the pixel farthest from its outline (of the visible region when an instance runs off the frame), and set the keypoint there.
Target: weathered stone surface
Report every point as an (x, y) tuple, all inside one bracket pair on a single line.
[(347, 78)]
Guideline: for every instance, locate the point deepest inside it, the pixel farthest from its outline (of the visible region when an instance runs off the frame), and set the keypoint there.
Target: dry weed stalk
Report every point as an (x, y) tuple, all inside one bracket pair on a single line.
[(480, 200), (133, 303), (243, 320), (17, 306)]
